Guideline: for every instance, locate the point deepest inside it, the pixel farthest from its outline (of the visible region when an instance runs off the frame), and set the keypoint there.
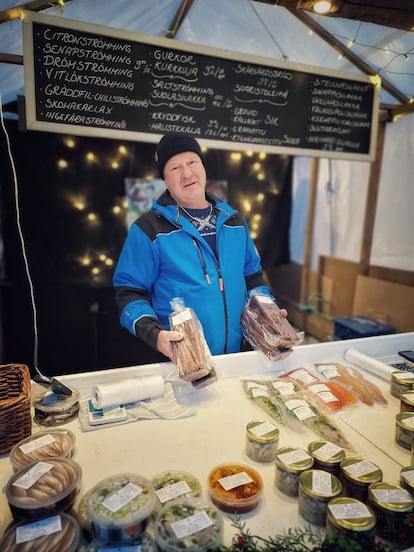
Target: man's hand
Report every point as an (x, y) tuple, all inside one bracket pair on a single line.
[(165, 343)]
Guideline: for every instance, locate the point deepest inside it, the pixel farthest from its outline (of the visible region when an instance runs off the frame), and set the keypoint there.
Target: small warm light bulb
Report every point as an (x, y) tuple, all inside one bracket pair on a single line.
[(262, 155), (322, 6), (95, 270), (92, 217), (79, 205), (116, 209), (247, 206), (122, 150), (109, 262), (69, 142), (102, 257), (85, 261), (257, 216), (249, 153), (253, 235), (260, 197), (235, 156), (261, 176), (90, 156), (62, 164), (115, 165), (257, 166)]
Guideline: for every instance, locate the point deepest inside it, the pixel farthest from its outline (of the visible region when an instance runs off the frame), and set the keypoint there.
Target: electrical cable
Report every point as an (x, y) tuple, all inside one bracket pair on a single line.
[(55, 385)]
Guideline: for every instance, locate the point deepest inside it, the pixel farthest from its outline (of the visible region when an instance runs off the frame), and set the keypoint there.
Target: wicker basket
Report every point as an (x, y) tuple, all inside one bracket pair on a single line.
[(15, 415)]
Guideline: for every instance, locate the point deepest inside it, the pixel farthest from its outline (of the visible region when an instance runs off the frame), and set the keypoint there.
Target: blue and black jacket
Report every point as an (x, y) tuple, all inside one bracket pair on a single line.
[(165, 257)]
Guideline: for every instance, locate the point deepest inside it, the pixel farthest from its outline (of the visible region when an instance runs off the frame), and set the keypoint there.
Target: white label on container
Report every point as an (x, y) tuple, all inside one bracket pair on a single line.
[(119, 499), (192, 524), (303, 413), (251, 384), (264, 299), (232, 481), (329, 371), (403, 375), (409, 421), (33, 475), (328, 450), (408, 475), (284, 387), (322, 482), (352, 510), (293, 457), (40, 442), (262, 429), (42, 528), (361, 468), (392, 495), (324, 392), (172, 491), (295, 403), (181, 317), (256, 392), (409, 396), (304, 376)]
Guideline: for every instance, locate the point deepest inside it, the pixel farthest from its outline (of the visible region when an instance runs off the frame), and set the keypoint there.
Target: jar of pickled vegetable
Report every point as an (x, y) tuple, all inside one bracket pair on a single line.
[(404, 429), (356, 476), (391, 504), (407, 479), (290, 462), (316, 489), (262, 440), (349, 516), (327, 456), (400, 382)]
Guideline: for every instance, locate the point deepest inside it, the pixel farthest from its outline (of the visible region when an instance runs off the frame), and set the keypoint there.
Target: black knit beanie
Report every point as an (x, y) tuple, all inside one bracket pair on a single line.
[(173, 143)]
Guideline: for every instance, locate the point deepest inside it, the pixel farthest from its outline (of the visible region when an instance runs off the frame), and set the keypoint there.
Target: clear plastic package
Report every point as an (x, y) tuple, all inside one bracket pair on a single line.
[(193, 357), (266, 329), (173, 484)]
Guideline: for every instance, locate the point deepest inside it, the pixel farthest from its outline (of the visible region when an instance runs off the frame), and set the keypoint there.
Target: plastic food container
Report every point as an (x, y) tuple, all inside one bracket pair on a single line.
[(351, 516), (42, 446), (290, 462), (316, 489), (144, 543), (60, 532), (407, 401), (52, 409), (43, 488), (391, 505), (189, 524), (235, 488), (326, 456), (404, 429), (262, 440), (119, 507), (356, 476), (173, 484), (83, 519)]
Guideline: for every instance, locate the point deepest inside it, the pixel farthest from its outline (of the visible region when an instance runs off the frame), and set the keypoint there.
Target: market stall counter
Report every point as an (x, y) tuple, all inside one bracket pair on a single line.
[(197, 431)]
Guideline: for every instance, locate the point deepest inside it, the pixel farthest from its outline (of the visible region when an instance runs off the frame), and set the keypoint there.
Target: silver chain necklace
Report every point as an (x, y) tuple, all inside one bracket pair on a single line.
[(201, 221)]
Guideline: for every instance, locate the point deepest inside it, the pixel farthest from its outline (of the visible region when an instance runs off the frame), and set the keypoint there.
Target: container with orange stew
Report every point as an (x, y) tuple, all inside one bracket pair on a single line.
[(235, 488)]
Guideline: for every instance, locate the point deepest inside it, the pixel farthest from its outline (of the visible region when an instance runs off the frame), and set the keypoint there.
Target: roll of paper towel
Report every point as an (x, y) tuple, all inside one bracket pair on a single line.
[(127, 391)]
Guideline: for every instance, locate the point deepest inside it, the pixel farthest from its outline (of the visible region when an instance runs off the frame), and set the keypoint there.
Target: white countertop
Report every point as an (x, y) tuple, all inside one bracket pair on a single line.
[(216, 433)]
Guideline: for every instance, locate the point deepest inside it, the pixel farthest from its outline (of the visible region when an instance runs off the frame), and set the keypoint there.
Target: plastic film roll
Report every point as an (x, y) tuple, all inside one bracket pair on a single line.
[(127, 391), (369, 364)]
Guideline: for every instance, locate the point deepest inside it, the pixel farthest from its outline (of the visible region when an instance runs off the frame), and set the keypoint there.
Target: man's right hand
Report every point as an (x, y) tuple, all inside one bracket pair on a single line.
[(165, 343)]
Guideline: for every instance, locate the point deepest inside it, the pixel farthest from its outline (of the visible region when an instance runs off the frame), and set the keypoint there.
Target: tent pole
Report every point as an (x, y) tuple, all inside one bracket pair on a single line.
[(371, 203), (310, 222)]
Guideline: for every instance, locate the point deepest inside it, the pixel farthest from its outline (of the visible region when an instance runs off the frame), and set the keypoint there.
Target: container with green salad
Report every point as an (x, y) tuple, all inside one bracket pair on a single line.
[(119, 507)]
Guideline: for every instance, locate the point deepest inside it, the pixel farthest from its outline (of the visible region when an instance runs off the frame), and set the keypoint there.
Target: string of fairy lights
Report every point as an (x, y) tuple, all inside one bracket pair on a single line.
[(98, 263)]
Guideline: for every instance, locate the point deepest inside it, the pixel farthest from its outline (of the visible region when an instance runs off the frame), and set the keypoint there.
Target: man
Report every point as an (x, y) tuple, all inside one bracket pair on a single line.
[(190, 245)]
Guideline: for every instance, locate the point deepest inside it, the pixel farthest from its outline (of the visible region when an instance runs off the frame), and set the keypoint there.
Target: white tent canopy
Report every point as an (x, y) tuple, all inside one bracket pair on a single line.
[(256, 28)]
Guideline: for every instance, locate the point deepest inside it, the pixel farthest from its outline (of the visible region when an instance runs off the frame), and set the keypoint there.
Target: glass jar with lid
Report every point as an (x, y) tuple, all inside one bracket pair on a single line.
[(356, 476), (404, 429), (262, 441), (347, 516), (327, 456), (290, 462), (316, 489), (391, 505)]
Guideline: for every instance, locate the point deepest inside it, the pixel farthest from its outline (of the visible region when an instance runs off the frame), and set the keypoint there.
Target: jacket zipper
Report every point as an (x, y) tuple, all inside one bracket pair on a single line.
[(221, 286)]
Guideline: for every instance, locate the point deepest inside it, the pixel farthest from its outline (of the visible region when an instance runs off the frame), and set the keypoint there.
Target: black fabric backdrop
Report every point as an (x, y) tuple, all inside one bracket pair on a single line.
[(78, 325)]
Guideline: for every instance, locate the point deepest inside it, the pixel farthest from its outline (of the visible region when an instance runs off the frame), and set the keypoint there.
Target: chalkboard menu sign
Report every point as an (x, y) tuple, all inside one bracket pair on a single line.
[(92, 80)]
